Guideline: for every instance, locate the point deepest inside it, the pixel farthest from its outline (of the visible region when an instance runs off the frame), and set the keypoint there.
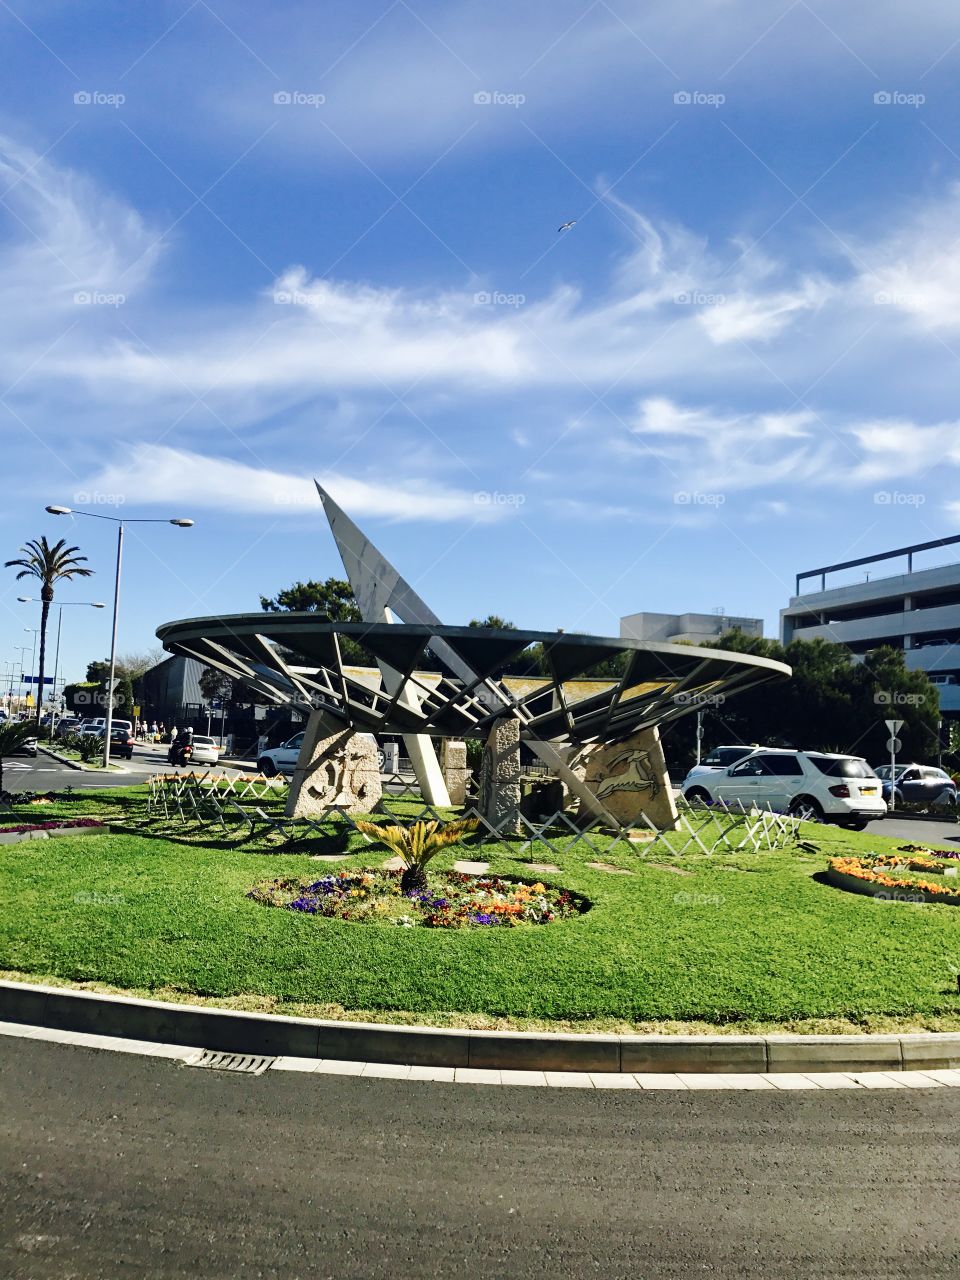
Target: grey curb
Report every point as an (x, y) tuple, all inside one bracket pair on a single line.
[(906, 816), (73, 764), (229, 1030), (55, 755)]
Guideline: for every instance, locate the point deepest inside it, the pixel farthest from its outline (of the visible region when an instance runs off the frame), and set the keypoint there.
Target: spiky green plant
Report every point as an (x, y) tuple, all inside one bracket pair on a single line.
[(48, 564), (417, 845), (13, 735)]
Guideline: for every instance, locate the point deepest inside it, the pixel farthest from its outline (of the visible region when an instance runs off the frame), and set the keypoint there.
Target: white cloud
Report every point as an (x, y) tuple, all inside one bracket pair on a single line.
[(916, 270), (184, 482)]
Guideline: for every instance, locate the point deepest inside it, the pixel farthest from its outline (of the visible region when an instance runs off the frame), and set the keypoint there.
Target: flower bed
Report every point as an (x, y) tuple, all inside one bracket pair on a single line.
[(452, 900), (888, 876), (54, 825)]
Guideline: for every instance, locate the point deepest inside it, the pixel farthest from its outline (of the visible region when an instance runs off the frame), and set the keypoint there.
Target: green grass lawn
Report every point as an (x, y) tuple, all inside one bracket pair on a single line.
[(748, 940)]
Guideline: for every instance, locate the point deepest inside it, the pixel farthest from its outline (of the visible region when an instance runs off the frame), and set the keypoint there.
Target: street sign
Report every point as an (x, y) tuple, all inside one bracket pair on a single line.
[(894, 745), (894, 726), (36, 679)]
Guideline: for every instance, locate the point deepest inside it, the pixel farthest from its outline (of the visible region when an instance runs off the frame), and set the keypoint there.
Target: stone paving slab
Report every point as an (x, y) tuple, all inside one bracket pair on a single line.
[(471, 868)]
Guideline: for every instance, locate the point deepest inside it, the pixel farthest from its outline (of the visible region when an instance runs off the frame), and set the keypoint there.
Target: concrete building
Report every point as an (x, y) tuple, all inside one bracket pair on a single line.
[(914, 609), (694, 628)]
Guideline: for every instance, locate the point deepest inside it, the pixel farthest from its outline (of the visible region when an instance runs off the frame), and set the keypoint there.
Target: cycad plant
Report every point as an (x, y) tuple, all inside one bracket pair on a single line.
[(417, 845), (13, 735), (48, 564)]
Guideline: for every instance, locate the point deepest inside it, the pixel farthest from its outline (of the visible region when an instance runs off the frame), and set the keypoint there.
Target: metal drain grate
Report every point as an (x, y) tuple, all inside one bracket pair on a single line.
[(250, 1064)]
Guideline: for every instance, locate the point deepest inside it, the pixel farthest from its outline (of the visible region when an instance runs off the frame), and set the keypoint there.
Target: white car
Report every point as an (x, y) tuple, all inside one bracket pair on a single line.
[(205, 750), (283, 759), (716, 761), (814, 785)]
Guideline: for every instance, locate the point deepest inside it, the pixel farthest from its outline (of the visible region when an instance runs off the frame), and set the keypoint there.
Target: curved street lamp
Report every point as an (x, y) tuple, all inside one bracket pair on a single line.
[(181, 523)]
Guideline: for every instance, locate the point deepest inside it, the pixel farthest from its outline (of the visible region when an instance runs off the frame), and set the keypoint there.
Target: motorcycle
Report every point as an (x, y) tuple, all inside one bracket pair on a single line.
[(179, 753)]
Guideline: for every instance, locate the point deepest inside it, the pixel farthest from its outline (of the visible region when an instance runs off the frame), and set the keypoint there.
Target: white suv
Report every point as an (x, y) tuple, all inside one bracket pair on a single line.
[(814, 785), (715, 762)]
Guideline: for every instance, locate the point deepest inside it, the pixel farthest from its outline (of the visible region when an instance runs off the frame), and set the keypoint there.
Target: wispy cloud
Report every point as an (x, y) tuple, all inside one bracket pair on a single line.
[(152, 474)]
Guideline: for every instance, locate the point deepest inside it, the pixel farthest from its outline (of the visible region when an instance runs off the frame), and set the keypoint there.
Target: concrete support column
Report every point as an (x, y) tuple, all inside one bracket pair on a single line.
[(455, 772), (500, 777)]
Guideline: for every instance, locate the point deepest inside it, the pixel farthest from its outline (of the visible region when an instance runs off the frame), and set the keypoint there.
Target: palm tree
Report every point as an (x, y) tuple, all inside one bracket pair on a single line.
[(417, 845), (47, 564)]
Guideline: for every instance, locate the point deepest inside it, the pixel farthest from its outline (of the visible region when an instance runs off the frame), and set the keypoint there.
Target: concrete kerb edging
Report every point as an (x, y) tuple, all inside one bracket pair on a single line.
[(73, 764), (233, 1031)]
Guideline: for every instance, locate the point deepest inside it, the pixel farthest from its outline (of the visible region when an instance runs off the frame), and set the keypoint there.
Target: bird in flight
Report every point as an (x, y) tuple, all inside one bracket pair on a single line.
[(567, 225)]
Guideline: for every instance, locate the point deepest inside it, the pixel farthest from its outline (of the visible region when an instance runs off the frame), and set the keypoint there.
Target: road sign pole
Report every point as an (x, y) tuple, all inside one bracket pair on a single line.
[(894, 727)]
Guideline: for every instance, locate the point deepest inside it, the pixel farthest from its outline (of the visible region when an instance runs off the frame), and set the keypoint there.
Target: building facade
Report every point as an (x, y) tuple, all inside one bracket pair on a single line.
[(692, 628), (914, 609)]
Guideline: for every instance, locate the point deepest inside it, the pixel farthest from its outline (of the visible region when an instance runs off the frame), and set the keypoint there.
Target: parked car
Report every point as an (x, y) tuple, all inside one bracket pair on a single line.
[(121, 742), (205, 750), (67, 724), (716, 761), (916, 784), (91, 722), (815, 785), (27, 748), (283, 759)]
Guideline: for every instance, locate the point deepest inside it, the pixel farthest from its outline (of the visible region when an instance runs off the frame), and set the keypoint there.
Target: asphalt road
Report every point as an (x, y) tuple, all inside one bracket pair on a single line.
[(118, 1166), (23, 773)]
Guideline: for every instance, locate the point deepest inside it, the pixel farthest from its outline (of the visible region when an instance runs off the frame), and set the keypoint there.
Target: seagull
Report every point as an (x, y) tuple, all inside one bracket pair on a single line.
[(567, 225)]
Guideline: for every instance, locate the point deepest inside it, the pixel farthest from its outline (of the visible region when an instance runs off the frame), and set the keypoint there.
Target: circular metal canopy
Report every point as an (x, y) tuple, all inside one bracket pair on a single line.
[(296, 659)]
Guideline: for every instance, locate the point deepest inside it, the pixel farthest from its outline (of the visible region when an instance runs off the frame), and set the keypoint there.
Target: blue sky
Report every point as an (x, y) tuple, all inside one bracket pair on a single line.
[(244, 245)]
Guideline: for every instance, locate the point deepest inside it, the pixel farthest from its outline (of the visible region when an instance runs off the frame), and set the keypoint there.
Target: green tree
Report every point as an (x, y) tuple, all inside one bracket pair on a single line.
[(833, 702), (334, 601), (49, 565)]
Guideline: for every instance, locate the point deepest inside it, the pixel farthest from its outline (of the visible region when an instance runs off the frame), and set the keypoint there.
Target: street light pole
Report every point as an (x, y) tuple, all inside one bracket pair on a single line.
[(33, 669), (181, 523), (91, 604), (113, 650)]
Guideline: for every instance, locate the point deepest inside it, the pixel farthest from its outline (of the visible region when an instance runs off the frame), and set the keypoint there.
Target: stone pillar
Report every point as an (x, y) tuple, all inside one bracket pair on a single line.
[(499, 799), (455, 772), (335, 766), (629, 779)]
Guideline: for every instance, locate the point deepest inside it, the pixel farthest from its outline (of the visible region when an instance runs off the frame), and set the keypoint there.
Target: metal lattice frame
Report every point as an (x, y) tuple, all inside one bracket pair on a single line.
[(294, 659)]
